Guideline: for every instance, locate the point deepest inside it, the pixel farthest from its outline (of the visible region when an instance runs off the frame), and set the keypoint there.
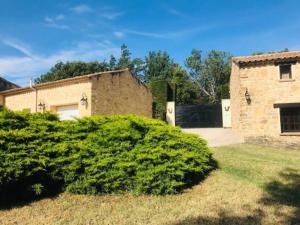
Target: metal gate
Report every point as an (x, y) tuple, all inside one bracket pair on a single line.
[(201, 116)]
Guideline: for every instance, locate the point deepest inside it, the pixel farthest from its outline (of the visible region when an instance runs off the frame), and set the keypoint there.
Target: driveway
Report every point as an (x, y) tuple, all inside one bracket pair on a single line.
[(217, 136)]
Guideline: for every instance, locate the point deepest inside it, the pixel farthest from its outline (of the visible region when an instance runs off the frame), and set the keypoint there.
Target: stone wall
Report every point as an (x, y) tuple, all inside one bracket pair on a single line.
[(120, 93), (107, 94), (1, 100), (259, 121)]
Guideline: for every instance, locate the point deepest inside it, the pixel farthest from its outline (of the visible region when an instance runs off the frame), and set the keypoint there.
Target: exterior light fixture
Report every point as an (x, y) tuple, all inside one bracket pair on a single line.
[(83, 100), (247, 96), (41, 106)]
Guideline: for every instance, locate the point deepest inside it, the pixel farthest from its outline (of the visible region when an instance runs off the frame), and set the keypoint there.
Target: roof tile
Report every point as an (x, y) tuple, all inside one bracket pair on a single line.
[(267, 57)]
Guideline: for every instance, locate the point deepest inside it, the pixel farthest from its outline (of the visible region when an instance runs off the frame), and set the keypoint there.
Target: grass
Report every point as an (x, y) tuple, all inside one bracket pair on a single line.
[(254, 185)]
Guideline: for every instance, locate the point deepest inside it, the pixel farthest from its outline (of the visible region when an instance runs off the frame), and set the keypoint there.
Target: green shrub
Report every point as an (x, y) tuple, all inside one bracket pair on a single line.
[(97, 154), (23, 165)]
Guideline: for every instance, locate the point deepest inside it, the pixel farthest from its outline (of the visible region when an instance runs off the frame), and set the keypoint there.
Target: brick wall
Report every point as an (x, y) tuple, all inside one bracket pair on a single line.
[(259, 121)]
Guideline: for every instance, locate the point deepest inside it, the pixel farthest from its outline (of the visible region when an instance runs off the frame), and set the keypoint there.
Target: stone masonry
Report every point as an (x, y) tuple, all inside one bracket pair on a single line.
[(107, 93), (259, 121)]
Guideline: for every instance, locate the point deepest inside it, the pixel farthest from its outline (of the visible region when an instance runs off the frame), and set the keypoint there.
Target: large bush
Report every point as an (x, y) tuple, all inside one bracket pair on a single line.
[(95, 155)]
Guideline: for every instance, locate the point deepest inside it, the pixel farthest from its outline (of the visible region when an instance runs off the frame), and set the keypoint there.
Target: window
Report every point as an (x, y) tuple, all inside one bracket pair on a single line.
[(290, 119), (285, 71)]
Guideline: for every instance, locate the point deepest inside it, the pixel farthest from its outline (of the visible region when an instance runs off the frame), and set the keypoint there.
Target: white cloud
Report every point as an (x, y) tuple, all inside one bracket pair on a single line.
[(175, 12), (48, 20), (60, 17), (82, 8), (55, 22), (106, 12), (20, 69), (111, 15), (172, 34), (146, 34), (23, 48), (119, 34)]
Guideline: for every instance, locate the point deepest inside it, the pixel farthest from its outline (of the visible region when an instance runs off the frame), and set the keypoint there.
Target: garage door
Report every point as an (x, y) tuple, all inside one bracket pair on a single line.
[(67, 112)]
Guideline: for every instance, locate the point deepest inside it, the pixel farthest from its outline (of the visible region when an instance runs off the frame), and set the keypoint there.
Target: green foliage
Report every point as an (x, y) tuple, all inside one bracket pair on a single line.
[(24, 166), (159, 66), (125, 60), (202, 81), (97, 155), (160, 70), (280, 51), (112, 62), (159, 91), (71, 69), (186, 91), (63, 70), (211, 74), (136, 65)]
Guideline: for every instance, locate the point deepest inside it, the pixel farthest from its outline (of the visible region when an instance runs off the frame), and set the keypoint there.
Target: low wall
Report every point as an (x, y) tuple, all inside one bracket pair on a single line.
[(291, 142)]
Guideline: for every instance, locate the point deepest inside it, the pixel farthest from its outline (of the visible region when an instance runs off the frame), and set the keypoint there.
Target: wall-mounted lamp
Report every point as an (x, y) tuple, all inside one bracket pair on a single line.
[(42, 106), (247, 96), (84, 100)]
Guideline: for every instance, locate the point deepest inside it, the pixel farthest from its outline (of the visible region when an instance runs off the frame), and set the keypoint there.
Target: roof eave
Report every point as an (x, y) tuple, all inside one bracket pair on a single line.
[(59, 82)]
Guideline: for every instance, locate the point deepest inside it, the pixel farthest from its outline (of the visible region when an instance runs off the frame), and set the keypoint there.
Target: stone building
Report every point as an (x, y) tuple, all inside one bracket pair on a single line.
[(105, 93), (265, 98)]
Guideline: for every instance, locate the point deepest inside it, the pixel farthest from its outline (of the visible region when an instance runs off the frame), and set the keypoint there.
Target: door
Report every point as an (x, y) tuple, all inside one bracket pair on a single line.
[(67, 112), (226, 112)]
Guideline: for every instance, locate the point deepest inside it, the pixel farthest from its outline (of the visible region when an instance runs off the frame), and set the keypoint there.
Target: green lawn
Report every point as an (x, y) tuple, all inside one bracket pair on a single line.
[(254, 185)]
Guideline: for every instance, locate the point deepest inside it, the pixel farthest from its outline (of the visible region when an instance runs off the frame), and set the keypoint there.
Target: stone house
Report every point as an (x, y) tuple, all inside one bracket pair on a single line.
[(265, 98), (105, 93)]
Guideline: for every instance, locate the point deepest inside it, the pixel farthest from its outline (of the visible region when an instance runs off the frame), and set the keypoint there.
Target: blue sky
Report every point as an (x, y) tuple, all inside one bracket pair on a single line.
[(34, 35)]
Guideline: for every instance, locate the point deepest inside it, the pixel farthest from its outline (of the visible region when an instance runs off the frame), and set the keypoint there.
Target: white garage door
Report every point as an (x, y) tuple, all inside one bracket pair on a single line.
[(67, 112)]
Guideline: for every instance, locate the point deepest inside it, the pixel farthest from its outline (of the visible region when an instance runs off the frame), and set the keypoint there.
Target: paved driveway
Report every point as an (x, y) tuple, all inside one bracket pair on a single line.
[(217, 136)]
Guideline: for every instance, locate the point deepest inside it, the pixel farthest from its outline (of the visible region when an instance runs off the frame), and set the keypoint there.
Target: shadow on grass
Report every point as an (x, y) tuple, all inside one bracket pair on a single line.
[(16, 195), (224, 218), (21, 193), (282, 191), (285, 191), (196, 179)]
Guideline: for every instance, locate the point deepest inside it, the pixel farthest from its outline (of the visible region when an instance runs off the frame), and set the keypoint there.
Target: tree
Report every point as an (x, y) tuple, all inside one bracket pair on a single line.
[(71, 69), (280, 51), (63, 70), (162, 75), (125, 60), (112, 63), (158, 66), (211, 75), (136, 66), (186, 91)]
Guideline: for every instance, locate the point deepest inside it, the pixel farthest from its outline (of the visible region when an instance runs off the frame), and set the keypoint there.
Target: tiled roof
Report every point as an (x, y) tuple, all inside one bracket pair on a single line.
[(267, 57)]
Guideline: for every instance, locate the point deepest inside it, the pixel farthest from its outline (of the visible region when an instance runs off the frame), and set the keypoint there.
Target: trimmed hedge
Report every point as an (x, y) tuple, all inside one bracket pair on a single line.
[(40, 154)]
